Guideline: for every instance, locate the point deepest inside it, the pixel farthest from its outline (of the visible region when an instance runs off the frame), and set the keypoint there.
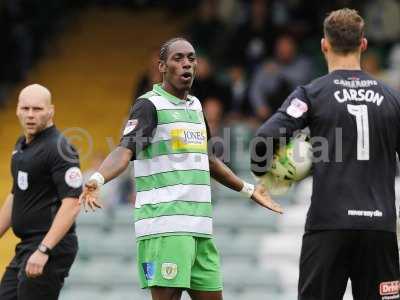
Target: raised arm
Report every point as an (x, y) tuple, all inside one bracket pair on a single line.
[(292, 116), (138, 131), (114, 164), (221, 173)]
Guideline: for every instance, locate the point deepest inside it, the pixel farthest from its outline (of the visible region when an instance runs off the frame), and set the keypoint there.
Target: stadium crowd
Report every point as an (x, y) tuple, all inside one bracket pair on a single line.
[(253, 53), (27, 28)]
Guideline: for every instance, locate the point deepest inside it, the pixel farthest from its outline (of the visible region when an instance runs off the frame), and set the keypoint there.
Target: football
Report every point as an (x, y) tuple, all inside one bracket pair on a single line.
[(290, 163)]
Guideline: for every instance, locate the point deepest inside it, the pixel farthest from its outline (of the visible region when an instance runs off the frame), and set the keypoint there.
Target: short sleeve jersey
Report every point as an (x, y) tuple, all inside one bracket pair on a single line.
[(141, 126), (44, 172)]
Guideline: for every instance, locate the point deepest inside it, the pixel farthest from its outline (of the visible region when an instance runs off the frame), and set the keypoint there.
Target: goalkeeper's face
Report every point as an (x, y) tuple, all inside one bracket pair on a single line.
[(35, 112)]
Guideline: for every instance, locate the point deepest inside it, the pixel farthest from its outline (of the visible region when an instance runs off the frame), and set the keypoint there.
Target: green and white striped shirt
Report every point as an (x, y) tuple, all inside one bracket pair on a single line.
[(172, 173)]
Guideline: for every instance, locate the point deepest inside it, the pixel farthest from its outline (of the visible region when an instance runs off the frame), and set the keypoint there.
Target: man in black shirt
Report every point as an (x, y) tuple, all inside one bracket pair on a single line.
[(350, 230), (43, 203)]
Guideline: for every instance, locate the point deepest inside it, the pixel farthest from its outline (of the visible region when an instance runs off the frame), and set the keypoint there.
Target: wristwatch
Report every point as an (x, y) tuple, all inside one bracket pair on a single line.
[(44, 249)]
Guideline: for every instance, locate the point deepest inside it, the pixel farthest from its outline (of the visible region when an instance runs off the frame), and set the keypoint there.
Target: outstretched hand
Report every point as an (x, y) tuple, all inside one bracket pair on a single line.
[(262, 197), (90, 196)]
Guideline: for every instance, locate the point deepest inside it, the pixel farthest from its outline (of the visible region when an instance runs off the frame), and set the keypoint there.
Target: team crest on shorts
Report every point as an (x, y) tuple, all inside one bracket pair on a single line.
[(169, 270), (23, 180)]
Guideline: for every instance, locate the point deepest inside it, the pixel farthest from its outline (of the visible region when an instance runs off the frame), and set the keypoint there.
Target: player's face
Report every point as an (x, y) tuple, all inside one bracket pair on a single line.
[(34, 114), (180, 68)]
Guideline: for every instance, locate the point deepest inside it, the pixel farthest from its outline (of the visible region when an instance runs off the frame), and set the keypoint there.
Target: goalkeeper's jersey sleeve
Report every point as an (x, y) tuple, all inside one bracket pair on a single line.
[(354, 123)]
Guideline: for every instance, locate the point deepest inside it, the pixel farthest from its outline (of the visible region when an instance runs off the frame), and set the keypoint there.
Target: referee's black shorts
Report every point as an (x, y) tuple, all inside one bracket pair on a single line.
[(15, 285), (370, 259)]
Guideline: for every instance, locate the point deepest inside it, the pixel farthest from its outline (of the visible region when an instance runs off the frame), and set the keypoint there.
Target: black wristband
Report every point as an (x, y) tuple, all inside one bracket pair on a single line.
[(44, 249)]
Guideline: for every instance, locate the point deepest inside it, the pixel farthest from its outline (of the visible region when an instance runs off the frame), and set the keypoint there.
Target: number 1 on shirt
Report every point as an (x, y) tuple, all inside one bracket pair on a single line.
[(361, 114)]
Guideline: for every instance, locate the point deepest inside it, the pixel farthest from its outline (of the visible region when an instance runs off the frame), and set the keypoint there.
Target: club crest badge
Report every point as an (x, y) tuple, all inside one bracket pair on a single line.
[(169, 270)]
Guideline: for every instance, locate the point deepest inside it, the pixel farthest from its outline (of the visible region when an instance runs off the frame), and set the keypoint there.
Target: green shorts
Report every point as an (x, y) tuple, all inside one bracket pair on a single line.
[(180, 261)]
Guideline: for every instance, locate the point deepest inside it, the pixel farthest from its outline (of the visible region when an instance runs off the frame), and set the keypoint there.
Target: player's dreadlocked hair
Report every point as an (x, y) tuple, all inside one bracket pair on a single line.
[(344, 29), (165, 47)]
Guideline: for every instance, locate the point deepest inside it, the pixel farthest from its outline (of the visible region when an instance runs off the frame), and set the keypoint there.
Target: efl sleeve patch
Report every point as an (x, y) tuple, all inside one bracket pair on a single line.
[(130, 126), (73, 177), (297, 108)]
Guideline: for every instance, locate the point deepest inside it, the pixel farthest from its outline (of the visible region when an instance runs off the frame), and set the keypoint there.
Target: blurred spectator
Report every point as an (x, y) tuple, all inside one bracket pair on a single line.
[(382, 18), (150, 77), (20, 44), (253, 40), (371, 63), (239, 106), (26, 28), (295, 17), (206, 29), (213, 112), (391, 75), (228, 11), (206, 85), (277, 77)]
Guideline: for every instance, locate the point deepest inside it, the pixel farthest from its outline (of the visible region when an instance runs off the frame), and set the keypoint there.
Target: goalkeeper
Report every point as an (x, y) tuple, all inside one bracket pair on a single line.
[(166, 136), (350, 231)]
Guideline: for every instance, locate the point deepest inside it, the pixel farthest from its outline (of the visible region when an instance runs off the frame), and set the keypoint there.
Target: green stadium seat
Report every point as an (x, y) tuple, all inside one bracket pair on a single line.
[(81, 294), (104, 273), (124, 217), (113, 244), (266, 295), (240, 246), (238, 277), (252, 218), (97, 220), (134, 293)]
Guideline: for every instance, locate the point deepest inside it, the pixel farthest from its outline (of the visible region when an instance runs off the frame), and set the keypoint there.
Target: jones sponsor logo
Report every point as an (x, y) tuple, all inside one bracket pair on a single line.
[(365, 213), (358, 95), (389, 288), (194, 137), (182, 139)]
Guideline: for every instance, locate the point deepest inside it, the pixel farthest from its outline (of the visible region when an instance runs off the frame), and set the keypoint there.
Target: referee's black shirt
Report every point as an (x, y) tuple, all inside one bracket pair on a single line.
[(45, 171), (356, 119)]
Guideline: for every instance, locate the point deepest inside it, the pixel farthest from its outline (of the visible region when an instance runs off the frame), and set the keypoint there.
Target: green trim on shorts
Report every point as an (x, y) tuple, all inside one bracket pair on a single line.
[(180, 261)]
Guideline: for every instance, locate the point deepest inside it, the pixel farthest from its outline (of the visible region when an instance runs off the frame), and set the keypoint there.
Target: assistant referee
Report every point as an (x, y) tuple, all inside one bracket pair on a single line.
[(43, 203)]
